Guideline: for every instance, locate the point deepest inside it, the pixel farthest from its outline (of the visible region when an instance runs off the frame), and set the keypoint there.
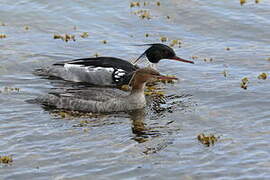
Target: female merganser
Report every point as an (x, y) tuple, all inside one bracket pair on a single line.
[(99, 100), (107, 71)]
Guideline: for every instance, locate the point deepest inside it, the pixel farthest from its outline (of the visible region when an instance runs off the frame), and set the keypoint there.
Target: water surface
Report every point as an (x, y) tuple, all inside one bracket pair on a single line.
[(140, 145)]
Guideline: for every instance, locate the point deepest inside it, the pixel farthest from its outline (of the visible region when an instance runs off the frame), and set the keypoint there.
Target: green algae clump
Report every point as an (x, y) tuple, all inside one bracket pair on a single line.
[(207, 140), (10, 90), (125, 87), (134, 4), (153, 91), (175, 42), (242, 2), (84, 35), (225, 73), (104, 41), (263, 76), (26, 28), (244, 83), (96, 55), (168, 81), (65, 114), (2, 36), (163, 39), (65, 37), (6, 159)]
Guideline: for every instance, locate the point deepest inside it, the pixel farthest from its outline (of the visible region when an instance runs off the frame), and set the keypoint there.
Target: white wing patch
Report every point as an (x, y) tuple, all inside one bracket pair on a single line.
[(69, 66), (118, 74), (82, 68), (103, 68)]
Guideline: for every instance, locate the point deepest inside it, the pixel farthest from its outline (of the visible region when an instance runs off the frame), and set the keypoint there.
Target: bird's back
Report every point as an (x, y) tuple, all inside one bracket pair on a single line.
[(103, 71)]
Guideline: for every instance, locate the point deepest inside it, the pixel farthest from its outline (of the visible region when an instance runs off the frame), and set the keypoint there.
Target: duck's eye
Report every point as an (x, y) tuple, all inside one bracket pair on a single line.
[(165, 52)]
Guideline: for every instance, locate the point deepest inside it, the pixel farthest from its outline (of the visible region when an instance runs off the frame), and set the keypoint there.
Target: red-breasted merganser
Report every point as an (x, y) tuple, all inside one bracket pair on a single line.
[(99, 100), (107, 71)]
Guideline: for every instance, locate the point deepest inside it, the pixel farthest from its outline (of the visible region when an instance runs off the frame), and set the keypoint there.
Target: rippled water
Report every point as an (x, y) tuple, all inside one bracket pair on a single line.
[(149, 144)]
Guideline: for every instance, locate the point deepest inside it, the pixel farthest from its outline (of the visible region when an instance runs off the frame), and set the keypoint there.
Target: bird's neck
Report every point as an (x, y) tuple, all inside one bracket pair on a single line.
[(138, 87), (153, 65)]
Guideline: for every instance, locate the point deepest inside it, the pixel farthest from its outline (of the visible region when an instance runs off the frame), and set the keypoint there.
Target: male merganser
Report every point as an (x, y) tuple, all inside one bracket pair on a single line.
[(99, 100), (107, 71)]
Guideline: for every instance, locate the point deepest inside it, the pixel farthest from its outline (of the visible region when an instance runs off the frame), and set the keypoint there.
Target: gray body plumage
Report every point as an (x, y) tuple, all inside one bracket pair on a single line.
[(78, 73), (95, 100)]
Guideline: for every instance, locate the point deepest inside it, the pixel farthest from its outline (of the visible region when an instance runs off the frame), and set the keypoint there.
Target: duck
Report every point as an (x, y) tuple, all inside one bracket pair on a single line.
[(102, 100), (107, 71)]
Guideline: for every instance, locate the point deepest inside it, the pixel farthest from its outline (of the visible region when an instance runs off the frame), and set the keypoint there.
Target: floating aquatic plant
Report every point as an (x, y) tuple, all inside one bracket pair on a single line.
[(6, 159), (96, 55), (175, 42), (104, 41), (263, 76), (168, 81), (65, 114), (3, 36), (163, 39), (225, 73), (144, 14), (2, 24), (244, 83), (135, 4), (242, 2), (207, 140), (208, 59), (153, 91), (9, 89), (125, 87), (65, 37), (84, 35), (26, 28), (194, 57)]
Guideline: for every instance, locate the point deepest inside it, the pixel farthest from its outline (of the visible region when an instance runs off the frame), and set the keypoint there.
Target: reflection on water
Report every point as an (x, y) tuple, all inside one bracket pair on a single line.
[(139, 127)]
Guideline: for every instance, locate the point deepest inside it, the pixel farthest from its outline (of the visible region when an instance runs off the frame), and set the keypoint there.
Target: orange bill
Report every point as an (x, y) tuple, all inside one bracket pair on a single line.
[(166, 78)]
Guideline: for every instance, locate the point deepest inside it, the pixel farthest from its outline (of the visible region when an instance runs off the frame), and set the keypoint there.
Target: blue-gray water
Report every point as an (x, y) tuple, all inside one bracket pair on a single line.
[(44, 146)]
